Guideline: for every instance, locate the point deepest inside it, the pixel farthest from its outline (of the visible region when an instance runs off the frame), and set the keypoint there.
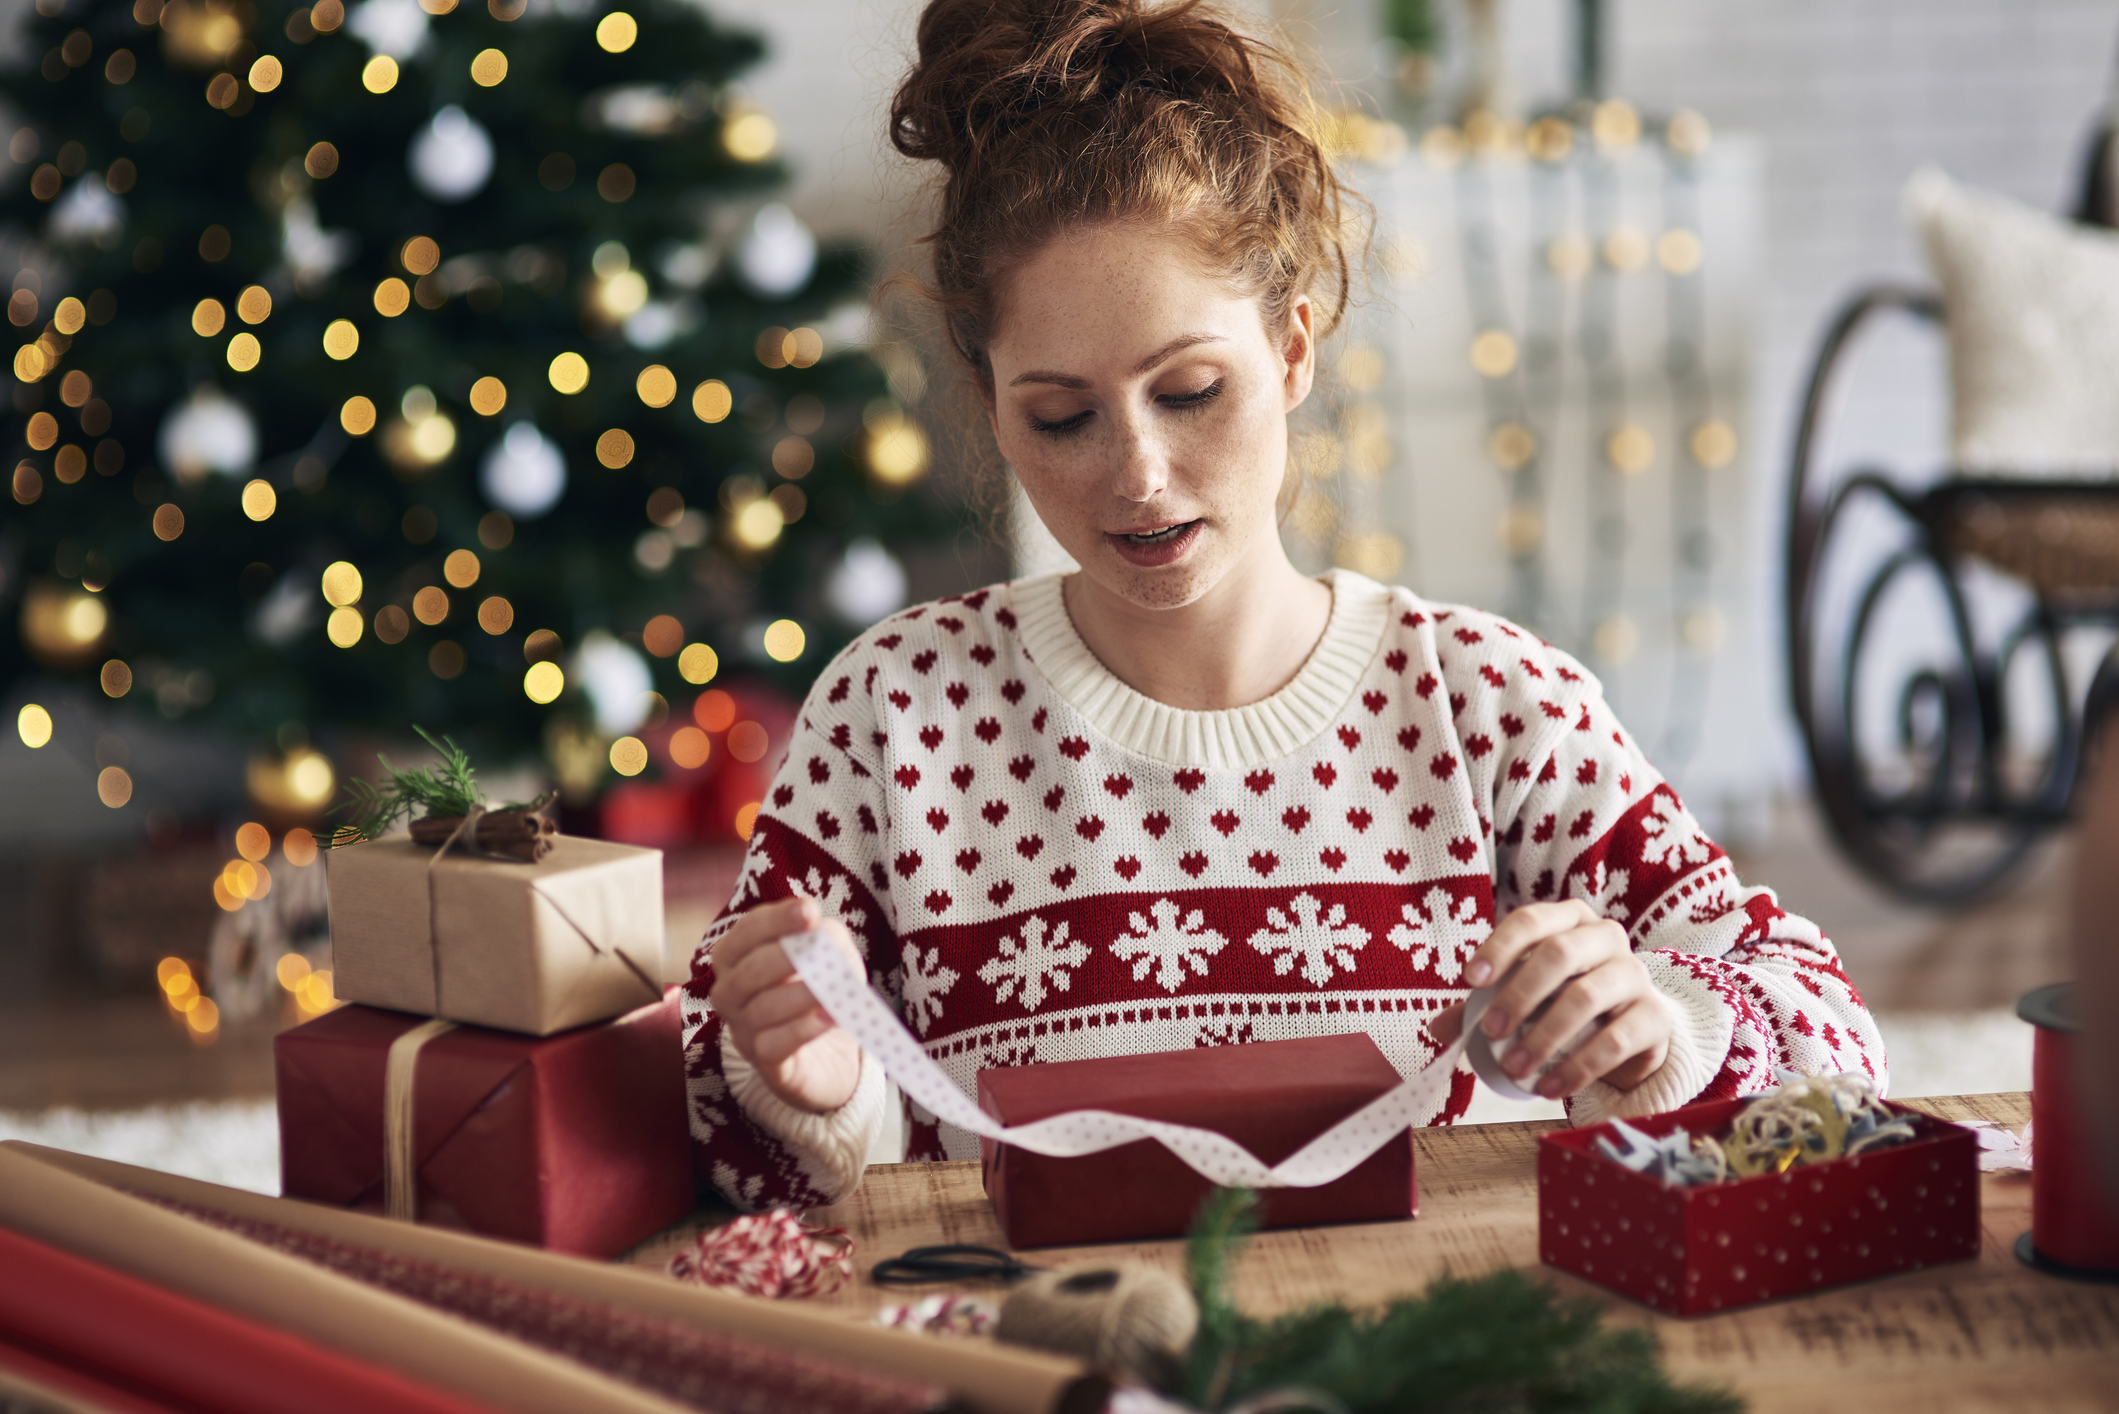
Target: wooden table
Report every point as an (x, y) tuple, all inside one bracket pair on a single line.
[(1989, 1334)]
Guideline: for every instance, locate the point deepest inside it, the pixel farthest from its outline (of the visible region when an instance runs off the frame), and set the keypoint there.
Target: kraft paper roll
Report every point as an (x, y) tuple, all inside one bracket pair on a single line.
[(170, 1347), (64, 1209), (987, 1378)]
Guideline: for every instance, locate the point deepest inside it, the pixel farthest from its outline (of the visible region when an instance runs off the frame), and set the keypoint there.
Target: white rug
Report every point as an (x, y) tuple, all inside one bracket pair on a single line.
[(238, 1143)]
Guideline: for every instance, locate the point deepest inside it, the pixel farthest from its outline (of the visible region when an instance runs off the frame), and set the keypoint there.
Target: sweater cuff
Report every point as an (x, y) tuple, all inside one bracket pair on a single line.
[(832, 1148), (1702, 1028)]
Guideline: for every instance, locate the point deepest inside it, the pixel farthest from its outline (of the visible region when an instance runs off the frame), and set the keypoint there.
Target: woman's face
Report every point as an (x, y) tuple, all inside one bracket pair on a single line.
[(1144, 409)]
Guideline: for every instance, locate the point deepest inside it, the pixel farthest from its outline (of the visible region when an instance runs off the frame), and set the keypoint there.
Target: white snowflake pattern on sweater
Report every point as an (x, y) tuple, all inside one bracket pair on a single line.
[(1043, 865)]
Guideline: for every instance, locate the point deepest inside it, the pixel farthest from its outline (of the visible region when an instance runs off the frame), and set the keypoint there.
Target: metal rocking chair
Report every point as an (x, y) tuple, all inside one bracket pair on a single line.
[(1954, 805)]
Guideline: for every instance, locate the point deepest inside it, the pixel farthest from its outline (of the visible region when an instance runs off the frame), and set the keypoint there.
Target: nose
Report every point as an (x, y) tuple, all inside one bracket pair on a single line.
[(1141, 470)]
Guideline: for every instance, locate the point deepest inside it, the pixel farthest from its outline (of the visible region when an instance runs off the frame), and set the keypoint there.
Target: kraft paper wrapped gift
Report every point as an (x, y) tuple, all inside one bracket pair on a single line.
[(1718, 1247), (1272, 1097), (536, 948), (575, 1142)]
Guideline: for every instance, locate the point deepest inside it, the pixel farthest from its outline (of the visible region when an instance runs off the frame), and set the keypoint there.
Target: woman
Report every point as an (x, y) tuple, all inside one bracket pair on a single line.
[(1188, 796)]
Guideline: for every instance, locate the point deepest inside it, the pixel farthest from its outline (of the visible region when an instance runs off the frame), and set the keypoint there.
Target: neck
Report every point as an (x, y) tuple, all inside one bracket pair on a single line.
[(1239, 643)]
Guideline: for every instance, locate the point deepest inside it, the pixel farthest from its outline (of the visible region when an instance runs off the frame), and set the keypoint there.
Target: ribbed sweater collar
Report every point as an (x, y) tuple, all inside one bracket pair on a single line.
[(1233, 738)]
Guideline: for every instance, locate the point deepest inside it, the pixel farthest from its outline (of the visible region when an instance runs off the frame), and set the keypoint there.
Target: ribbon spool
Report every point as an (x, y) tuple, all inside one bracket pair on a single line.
[(2074, 1227)]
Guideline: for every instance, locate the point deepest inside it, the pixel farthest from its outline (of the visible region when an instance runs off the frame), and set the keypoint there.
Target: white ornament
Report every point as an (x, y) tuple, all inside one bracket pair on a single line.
[(617, 681), (313, 251), (778, 254), (1167, 945), (651, 326), (286, 612), (88, 212), (866, 584), (1027, 967), (207, 432), (452, 157), (1320, 939), (397, 28), (524, 473)]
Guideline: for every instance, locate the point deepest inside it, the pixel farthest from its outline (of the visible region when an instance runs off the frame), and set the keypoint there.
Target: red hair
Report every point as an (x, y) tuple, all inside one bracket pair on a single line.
[(1051, 115)]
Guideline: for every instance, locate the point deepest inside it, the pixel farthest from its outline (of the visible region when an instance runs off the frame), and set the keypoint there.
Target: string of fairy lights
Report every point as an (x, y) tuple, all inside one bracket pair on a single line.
[(1584, 243)]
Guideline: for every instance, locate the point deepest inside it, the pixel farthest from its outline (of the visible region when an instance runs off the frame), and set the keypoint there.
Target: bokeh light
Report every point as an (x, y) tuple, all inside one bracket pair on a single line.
[(656, 385), (299, 845), (569, 373), (616, 32), (34, 725), (698, 663), (784, 640), (344, 626), (253, 841), (711, 401), (341, 583), (748, 742), (629, 756), (690, 748), (114, 786), (543, 682)]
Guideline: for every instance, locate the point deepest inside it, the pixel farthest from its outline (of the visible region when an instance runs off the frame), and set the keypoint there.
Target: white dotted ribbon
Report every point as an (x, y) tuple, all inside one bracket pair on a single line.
[(838, 984)]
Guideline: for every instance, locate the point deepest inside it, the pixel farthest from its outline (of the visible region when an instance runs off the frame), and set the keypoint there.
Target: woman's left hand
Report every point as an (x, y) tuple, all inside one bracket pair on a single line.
[(1570, 968)]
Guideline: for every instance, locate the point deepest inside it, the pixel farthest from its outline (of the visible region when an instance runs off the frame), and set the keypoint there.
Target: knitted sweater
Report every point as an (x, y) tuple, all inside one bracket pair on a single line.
[(1041, 864)]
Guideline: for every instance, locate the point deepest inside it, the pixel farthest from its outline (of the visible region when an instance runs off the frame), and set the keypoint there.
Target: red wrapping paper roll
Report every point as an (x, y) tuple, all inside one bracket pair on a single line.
[(174, 1351), (2072, 1222), (25, 1375)]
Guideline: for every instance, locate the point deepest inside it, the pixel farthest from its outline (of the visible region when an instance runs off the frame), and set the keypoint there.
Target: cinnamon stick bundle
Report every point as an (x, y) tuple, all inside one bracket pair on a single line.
[(518, 834)]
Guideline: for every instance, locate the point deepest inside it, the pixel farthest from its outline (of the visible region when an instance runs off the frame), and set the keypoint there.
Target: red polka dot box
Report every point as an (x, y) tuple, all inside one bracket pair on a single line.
[(1697, 1251)]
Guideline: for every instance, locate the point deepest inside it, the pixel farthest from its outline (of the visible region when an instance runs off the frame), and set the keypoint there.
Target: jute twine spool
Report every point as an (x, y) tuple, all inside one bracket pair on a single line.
[(1128, 1321)]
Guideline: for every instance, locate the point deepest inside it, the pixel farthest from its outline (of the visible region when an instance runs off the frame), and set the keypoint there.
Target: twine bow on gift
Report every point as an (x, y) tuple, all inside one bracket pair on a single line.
[(524, 837)]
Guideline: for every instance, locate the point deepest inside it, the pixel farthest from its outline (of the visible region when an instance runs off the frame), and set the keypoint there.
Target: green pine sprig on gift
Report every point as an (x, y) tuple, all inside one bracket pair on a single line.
[(1498, 1342), (442, 790)]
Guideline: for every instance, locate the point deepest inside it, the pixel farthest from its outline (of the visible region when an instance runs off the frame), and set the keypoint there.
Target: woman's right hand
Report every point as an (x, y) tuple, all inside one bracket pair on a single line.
[(773, 1019)]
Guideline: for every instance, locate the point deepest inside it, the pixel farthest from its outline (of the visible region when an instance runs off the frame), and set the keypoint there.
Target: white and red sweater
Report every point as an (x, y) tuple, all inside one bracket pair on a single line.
[(1042, 864)]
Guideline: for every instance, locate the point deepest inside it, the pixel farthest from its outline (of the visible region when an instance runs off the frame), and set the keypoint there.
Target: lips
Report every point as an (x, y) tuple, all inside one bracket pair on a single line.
[(1157, 545)]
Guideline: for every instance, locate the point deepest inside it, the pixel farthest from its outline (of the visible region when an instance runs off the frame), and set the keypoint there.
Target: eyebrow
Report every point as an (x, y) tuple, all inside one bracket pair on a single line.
[(1069, 380)]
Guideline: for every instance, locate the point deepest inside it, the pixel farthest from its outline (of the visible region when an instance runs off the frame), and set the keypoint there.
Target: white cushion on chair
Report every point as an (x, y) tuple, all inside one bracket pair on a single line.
[(2032, 306)]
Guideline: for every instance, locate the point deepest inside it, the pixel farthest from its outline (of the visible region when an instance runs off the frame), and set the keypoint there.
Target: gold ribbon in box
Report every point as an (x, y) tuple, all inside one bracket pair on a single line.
[(575, 937)]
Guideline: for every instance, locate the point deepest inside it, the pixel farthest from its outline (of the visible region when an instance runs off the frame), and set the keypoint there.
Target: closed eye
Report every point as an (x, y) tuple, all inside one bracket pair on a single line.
[(1191, 402), (1065, 427)]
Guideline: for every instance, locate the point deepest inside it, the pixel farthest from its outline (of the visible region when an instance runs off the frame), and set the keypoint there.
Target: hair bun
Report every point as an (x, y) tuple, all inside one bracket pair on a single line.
[(986, 67)]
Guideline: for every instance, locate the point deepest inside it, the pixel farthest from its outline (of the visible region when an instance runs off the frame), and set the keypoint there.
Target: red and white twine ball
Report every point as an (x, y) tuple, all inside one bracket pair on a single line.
[(768, 1254)]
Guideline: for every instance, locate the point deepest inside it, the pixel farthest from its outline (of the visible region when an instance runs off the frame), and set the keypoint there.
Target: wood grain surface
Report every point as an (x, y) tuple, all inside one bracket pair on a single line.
[(1984, 1335)]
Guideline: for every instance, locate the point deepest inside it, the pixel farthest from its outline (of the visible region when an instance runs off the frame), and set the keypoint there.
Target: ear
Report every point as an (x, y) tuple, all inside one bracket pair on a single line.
[(1298, 351)]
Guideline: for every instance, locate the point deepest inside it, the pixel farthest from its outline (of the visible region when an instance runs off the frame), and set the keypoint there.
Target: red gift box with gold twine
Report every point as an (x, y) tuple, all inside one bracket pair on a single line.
[(575, 1142), (1719, 1247)]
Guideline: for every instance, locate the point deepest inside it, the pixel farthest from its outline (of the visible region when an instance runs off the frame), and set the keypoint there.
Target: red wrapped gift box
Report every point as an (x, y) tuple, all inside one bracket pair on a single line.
[(576, 1142), (1692, 1251), (1272, 1097)]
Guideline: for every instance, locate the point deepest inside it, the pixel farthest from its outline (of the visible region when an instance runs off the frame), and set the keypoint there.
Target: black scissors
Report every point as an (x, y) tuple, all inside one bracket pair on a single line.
[(950, 1262)]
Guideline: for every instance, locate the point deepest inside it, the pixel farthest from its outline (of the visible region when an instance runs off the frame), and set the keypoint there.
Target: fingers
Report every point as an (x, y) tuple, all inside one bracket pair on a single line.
[(1522, 930), (1626, 1050), (771, 1047), (1543, 967), (1578, 1002), (768, 923)]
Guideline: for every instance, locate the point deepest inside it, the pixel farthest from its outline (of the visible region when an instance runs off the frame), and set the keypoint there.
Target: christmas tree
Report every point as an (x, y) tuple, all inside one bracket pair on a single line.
[(435, 364)]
